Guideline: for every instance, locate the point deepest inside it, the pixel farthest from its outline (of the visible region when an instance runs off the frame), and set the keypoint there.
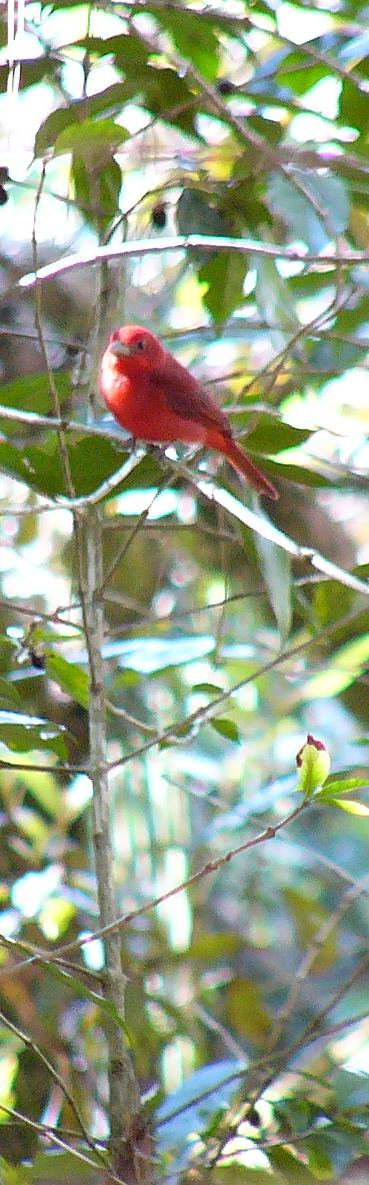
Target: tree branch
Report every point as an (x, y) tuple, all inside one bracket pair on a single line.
[(200, 243), (124, 1097)]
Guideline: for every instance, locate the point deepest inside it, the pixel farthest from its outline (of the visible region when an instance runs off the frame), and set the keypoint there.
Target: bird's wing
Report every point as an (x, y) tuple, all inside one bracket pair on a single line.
[(187, 398)]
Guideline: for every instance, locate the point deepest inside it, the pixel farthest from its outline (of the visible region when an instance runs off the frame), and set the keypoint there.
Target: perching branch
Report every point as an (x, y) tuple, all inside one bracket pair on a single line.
[(200, 243)]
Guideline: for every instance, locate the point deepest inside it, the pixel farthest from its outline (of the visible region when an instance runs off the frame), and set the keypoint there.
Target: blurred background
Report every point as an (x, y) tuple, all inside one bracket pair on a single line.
[(247, 994)]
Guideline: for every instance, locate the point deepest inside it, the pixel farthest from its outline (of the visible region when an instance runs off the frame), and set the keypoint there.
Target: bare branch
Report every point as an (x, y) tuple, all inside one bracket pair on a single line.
[(201, 243)]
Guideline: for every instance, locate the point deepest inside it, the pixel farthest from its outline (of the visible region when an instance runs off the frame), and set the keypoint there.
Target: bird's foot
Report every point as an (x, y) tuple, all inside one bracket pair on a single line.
[(156, 450)]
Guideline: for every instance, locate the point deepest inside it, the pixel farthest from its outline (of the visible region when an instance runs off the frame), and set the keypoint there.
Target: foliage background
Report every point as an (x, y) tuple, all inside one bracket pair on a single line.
[(229, 634)]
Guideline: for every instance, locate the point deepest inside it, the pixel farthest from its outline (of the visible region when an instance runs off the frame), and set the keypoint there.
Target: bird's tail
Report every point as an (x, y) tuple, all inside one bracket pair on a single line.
[(244, 465)]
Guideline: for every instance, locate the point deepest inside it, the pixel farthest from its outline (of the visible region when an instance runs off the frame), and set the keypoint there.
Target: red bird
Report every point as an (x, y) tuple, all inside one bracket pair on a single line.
[(157, 400)]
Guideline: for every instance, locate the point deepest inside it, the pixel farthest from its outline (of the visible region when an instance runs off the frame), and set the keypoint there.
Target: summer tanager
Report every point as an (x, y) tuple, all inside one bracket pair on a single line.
[(157, 400)]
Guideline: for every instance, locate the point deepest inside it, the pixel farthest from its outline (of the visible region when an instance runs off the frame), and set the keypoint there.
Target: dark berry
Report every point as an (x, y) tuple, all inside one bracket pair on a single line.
[(224, 87), (159, 215)]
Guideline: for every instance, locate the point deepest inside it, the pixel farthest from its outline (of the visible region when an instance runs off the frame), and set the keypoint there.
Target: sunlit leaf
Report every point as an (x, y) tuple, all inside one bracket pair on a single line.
[(32, 393), (349, 805), (194, 37), (93, 141), (340, 671), (343, 786), (127, 50), (12, 1174), (78, 113), (226, 728)]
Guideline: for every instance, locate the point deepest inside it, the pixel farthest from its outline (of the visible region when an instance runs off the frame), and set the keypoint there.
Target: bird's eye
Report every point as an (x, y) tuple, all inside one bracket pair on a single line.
[(141, 344)]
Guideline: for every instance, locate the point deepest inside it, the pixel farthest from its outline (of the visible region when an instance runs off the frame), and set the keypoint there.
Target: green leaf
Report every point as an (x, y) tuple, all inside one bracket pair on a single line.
[(226, 728), (79, 113), (351, 1090), (349, 805), (246, 1010), (343, 785), (194, 37), (127, 678), (317, 1149), (56, 1166), (167, 94), (34, 467), (274, 436), (93, 141), (290, 1168), (12, 1174), (305, 477), (208, 688), (9, 696), (331, 601), (298, 212), (275, 565), (32, 393), (22, 733), (274, 301), (353, 106), (97, 191), (51, 128), (209, 948), (91, 462), (7, 649), (300, 73), (224, 277), (341, 670), (69, 677), (128, 51), (195, 215), (43, 788)]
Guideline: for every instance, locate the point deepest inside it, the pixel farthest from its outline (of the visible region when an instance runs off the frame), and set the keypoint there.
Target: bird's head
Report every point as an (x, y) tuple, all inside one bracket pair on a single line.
[(134, 342)]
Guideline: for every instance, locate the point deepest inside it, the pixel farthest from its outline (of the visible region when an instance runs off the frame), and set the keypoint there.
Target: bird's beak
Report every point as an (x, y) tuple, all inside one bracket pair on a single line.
[(120, 349)]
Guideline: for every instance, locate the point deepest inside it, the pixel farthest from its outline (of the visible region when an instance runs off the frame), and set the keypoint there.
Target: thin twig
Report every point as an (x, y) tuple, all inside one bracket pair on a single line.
[(27, 1041), (98, 1164), (207, 869)]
